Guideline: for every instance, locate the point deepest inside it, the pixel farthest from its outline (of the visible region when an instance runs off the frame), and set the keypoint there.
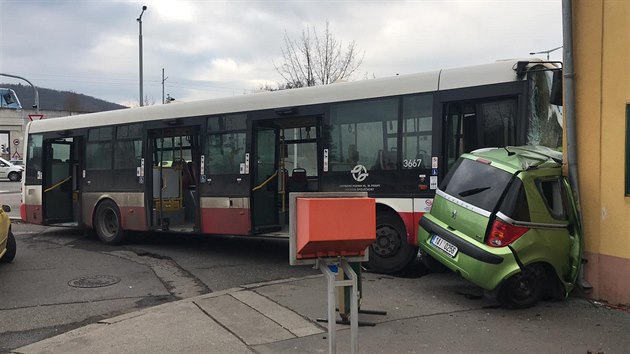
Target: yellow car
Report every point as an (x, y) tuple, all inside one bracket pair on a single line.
[(7, 240)]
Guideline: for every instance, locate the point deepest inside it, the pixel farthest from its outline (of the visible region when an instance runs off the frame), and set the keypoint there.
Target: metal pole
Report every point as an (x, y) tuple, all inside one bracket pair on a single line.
[(139, 19), (33, 86), (568, 85), (163, 86)]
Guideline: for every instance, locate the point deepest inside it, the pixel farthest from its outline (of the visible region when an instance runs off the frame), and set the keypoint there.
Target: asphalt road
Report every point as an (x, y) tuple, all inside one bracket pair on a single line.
[(62, 279)]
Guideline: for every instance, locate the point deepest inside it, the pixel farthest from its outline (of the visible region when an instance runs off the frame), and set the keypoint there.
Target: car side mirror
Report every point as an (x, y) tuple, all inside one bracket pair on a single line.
[(6, 208), (556, 88)]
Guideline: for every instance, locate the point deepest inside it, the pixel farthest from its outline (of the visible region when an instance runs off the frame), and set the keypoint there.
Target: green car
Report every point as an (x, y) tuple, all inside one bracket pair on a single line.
[(506, 220)]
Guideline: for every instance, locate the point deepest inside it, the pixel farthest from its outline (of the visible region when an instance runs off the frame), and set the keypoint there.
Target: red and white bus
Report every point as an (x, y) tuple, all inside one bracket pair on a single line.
[(226, 166)]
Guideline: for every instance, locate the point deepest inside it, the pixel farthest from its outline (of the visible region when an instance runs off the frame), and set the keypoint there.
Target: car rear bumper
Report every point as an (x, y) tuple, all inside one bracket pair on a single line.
[(485, 266)]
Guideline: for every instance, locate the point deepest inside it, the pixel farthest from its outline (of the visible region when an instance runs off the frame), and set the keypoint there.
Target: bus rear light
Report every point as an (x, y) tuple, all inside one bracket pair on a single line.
[(503, 234)]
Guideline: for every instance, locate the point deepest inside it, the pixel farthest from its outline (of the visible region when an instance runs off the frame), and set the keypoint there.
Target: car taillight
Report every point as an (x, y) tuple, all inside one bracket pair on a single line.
[(503, 234)]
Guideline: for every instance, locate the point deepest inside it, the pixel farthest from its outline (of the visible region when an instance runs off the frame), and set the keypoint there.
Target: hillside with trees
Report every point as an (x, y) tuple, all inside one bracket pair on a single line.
[(55, 100)]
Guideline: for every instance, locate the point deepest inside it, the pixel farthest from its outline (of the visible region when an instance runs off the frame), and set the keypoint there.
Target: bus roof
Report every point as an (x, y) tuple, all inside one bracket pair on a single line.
[(498, 72)]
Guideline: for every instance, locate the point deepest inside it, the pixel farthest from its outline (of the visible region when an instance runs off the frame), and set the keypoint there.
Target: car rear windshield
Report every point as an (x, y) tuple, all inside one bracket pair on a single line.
[(476, 183)]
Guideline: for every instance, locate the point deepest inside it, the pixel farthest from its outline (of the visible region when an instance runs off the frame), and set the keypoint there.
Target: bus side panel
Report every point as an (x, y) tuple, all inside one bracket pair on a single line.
[(33, 205), (130, 205), (410, 211), (225, 215)]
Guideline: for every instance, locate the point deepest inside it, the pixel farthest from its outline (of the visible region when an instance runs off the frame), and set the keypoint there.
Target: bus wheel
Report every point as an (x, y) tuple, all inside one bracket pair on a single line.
[(390, 252), (107, 223), (11, 249), (14, 177)]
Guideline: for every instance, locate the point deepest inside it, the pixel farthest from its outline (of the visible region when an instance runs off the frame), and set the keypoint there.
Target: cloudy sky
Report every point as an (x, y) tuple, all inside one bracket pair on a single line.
[(212, 48)]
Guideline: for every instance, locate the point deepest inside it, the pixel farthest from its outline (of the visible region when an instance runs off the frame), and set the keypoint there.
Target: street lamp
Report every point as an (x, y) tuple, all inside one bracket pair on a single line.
[(139, 19), (546, 52)]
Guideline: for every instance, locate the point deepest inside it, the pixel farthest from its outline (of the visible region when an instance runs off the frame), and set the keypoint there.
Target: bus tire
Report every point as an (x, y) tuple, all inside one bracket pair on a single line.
[(391, 252), (9, 255), (107, 223)]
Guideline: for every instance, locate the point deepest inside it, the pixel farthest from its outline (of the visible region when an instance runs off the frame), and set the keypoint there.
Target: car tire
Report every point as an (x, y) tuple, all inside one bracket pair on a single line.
[(107, 223), (14, 176), (524, 289), (9, 255), (391, 252)]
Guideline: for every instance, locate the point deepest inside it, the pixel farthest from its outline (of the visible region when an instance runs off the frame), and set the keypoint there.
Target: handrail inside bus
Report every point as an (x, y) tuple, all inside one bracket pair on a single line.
[(58, 184), (265, 182)]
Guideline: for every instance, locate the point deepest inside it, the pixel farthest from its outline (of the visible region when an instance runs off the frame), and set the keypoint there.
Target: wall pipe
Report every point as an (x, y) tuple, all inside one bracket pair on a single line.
[(569, 116)]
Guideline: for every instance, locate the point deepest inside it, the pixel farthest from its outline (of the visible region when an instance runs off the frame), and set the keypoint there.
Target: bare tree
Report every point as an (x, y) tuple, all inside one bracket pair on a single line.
[(72, 102), (317, 59)]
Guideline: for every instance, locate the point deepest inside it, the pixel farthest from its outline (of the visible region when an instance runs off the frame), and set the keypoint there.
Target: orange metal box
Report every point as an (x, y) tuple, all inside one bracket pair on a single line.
[(331, 227)]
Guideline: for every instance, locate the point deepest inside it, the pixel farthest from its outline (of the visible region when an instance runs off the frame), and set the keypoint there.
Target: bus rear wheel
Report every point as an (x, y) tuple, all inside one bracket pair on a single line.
[(107, 223), (391, 252)]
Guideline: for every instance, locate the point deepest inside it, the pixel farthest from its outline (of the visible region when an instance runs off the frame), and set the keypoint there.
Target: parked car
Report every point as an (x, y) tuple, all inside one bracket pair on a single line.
[(10, 171), (505, 219), (7, 240)]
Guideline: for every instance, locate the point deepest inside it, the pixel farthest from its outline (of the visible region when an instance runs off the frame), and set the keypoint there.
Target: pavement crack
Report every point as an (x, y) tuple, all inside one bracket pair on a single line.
[(179, 282)]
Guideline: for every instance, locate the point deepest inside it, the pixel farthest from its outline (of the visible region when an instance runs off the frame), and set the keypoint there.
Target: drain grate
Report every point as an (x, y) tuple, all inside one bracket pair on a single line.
[(94, 281)]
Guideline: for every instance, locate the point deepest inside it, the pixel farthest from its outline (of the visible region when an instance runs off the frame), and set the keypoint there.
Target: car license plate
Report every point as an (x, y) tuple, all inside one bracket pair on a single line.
[(444, 245)]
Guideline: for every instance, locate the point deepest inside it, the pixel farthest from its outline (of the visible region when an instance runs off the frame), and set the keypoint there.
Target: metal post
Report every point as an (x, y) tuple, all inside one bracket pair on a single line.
[(330, 278), (139, 19), (163, 86), (344, 266), (354, 306)]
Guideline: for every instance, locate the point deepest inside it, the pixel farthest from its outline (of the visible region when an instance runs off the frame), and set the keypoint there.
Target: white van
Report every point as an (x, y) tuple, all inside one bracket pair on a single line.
[(10, 171)]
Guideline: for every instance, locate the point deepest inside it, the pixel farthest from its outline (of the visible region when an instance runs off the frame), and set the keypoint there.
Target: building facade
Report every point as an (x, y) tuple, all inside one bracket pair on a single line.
[(12, 124), (601, 46)]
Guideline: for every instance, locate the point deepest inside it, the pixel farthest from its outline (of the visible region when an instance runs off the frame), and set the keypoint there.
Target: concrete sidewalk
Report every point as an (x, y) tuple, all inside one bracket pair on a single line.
[(434, 313)]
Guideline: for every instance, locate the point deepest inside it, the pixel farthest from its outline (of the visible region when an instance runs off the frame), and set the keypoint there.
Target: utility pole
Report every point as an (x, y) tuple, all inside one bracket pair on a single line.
[(139, 19), (163, 79)]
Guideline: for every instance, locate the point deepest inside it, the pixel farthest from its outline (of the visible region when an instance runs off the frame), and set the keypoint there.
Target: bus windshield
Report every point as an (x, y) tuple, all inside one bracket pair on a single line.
[(545, 120)]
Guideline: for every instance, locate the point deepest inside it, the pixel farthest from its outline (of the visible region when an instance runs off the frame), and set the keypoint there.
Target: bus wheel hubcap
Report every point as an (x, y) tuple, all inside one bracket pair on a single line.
[(387, 241)]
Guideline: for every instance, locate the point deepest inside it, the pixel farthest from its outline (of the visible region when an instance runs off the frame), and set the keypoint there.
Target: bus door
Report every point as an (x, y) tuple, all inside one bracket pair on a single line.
[(265, 180), (173, 161), (61, 199), (286, 161)]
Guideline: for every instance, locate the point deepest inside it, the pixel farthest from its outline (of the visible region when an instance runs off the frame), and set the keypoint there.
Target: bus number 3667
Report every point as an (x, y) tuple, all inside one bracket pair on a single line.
[(411, 163)]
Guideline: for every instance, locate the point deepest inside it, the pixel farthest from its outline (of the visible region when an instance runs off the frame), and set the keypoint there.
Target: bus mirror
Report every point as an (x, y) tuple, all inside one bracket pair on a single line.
[(556, 88)]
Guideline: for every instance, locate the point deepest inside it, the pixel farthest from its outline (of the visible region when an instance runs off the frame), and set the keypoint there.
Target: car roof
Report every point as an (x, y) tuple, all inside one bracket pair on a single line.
[(519, 158)]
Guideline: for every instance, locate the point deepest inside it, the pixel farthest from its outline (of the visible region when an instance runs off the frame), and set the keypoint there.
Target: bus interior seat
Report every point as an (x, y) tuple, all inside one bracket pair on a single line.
[(298, 180), (187, 179), (424, 159), (385, 160), (388, 159)]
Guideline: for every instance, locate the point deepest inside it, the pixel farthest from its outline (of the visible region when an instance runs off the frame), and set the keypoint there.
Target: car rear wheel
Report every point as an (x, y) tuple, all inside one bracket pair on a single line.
[(524, 289), (14, 176), (391, 252), (107, 223), (11, 249)]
